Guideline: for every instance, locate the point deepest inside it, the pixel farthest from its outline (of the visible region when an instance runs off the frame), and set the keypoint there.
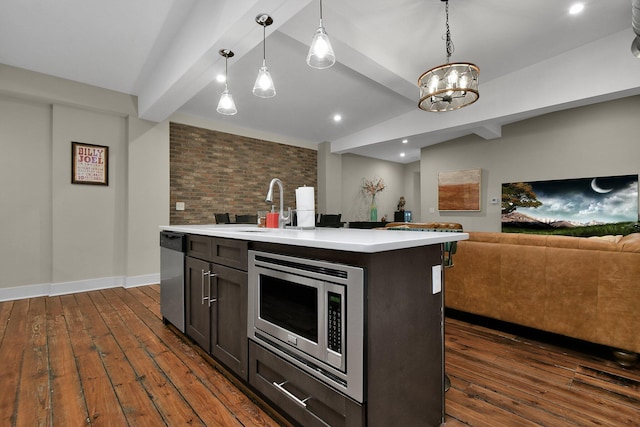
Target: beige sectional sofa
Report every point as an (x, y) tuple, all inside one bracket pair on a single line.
[(585, 288)]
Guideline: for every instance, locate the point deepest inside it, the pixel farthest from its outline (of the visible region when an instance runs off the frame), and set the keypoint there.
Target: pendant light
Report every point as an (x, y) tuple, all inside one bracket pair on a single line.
[(226, 105), (450, 86), (320, 52), (263, 86)]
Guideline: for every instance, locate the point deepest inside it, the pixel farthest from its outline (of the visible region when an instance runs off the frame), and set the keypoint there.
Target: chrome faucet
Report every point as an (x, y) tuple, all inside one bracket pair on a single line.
[(282, 219)]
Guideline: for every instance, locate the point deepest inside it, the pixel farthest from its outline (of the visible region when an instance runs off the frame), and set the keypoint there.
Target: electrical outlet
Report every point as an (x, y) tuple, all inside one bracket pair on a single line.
[(179, 206)]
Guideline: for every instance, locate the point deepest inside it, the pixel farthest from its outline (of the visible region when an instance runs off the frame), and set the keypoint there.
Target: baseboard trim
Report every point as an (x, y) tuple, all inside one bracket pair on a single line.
[(146, 279), (27, 291), (64, 288)]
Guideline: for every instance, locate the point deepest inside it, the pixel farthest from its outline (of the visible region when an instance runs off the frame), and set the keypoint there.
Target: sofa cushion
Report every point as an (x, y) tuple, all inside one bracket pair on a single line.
[(608, 238), (630, 243), (567, 242), (532, 239), (601, 243), (485, 236)]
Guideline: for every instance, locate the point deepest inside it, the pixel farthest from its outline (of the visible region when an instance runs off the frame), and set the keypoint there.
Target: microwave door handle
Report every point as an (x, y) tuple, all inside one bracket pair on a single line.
[(280, 386)]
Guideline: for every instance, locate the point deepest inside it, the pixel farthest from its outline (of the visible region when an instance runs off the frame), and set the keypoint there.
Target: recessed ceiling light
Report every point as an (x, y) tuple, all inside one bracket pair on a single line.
[(337, 118), (220, 78), (404, 141), (576, 8), (401, 154)]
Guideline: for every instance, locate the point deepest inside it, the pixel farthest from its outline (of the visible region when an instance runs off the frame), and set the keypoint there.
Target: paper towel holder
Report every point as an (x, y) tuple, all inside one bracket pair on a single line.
[(294, 222)]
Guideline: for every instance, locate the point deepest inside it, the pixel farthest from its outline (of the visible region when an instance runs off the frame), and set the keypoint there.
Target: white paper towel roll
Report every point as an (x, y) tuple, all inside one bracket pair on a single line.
[(306, 219), (305, 199)]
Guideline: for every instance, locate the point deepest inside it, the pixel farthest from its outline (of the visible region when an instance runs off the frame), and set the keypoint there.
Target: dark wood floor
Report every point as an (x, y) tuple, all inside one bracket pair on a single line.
[(106, 358)]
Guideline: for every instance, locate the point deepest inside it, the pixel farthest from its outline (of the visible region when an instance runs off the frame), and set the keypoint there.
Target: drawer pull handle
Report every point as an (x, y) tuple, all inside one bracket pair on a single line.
[(290, 395), (212, 299), (205, 297)]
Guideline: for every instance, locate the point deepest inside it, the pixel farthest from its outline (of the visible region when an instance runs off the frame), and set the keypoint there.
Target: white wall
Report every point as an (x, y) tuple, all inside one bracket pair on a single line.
[(355, 203), (413, 190), (60, 237), (25, 193), (148, 196), (329, 191), (597, 140)]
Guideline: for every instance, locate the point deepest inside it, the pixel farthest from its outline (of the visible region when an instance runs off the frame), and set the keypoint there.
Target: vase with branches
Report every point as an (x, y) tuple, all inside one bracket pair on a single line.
[(373, 187)]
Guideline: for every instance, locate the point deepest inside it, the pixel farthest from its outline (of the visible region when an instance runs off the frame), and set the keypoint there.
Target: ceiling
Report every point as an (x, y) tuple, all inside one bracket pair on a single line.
[(534, 58)]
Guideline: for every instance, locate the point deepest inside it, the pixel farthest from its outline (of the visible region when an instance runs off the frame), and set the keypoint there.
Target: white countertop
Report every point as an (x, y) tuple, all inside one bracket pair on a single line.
[(346, 239)]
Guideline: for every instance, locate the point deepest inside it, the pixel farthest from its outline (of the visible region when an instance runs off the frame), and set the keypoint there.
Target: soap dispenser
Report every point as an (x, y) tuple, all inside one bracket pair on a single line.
[(272, 218)]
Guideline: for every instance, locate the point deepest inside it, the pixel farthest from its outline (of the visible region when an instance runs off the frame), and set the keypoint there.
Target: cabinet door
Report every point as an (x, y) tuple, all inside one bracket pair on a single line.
[(198, 287), (229, 342)]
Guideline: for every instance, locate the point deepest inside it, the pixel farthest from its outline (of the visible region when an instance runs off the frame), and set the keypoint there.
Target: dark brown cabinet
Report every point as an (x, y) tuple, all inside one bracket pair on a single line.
[(301, 396), (198, 326), (229, 318), (403, 355), (216, 287)]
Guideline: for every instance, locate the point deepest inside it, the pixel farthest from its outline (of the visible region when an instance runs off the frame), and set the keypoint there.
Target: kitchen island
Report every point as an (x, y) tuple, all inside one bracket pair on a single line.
[(384, 365)]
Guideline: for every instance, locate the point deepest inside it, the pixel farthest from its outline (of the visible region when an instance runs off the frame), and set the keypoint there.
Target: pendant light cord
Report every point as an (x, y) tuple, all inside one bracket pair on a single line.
[(264, 44), (226, 72), (320, 10), (448, 43)]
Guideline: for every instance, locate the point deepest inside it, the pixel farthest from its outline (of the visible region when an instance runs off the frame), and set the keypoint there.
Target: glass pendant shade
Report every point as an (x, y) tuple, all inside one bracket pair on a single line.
[(264, 87), (449, 87), (226, 105), (321, 53)]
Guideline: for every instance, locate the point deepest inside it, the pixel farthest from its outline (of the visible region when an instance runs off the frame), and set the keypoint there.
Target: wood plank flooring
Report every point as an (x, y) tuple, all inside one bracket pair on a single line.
[(106, 358), (501, 378)]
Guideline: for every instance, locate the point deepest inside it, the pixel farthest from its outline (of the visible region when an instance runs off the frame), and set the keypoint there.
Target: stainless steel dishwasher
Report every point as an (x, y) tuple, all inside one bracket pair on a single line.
[(172, 250)]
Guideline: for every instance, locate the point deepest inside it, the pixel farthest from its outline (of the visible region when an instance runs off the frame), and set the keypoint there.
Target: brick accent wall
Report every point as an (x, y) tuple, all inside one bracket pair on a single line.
[(216, 172)]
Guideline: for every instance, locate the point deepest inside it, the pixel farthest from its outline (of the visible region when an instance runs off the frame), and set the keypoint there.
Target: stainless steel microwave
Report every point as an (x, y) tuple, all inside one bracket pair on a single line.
[(311, 313)]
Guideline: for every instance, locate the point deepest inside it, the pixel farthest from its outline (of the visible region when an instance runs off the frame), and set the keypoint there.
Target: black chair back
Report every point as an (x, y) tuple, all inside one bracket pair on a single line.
[(246, 219), (329, 220), (222, 218)]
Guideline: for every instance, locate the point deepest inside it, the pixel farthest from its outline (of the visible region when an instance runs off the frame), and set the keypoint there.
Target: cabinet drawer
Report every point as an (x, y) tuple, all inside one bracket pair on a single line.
[(199, 246), (230, 252), (304, 398)]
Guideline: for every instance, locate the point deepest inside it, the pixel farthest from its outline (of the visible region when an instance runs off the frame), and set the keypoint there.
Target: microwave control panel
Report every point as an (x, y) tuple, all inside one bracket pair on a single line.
[(335, 322)]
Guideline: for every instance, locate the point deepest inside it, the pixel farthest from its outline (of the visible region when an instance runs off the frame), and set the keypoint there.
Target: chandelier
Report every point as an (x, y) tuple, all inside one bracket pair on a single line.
[(450, 86)]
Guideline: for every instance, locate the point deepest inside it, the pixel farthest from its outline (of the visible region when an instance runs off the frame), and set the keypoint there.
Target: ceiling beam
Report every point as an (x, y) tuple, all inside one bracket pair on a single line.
[(358, 55), (192, 62), (489, 131), (596, 72)]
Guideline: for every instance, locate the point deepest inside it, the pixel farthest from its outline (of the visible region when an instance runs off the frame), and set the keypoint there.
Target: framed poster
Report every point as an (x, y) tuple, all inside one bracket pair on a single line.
[(459, 190), (89, 164), (591, 206)]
